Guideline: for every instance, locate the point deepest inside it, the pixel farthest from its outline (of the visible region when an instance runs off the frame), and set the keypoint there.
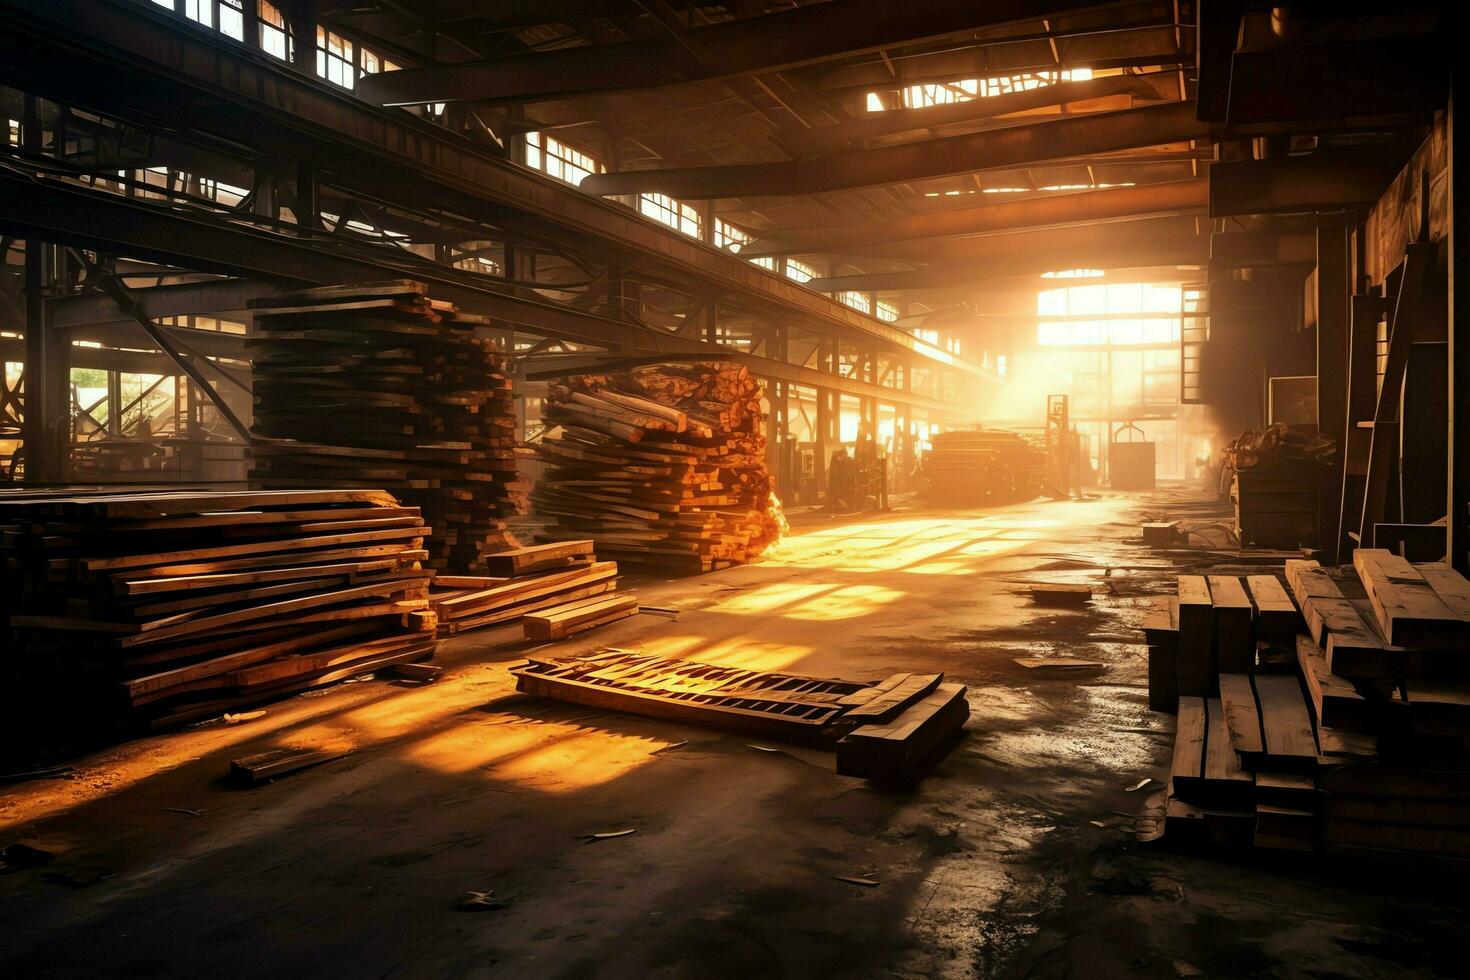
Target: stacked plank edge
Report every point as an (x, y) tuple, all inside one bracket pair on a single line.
[(135, 610), (968, 467), (1324, 709), (661, 466), (378, 384), (884, 729), (553, 590)]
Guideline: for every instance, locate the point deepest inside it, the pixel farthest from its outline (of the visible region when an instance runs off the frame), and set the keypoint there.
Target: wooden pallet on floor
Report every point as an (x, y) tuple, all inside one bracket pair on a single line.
[(883, 730)]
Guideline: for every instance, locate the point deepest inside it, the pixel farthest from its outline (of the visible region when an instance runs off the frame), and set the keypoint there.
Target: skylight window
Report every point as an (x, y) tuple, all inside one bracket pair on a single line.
[(799, 271), (731, 236), (926, 94)]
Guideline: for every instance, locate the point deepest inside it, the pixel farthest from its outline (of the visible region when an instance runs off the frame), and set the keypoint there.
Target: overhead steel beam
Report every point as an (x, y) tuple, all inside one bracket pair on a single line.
[(1092, 207), (1328, 179), (208, 298), (894, 121), (549, 366), (800, 36), (1013, 146), (125, 59), (1123, 236), (1193, 252)]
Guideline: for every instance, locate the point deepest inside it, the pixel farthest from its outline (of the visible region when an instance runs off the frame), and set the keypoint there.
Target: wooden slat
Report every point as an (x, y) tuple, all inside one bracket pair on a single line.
[(894, 700), (1196, 668), (1285, 724), (1234, 648), (1242, 716), (1409, 611), (1335, 702), (1186, 771), (1277, 617)]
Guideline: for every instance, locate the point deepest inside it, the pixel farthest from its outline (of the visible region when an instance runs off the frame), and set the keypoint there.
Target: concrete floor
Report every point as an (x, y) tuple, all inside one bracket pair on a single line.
[(1016, 856)]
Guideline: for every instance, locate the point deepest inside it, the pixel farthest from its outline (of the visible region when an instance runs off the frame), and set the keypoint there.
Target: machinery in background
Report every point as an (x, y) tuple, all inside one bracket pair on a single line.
[(1132, 462), (859, 481)]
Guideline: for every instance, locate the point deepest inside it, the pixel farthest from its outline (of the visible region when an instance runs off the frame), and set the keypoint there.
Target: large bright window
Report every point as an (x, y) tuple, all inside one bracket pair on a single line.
[(856, 300), (551, 156), (1104, 315), (676, 214)]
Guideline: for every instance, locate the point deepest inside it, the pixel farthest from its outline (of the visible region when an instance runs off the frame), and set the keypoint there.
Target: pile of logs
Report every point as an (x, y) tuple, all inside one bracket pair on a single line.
[(377, 383), (661, 465), (1321, 709), (131, 610), (548, 579)]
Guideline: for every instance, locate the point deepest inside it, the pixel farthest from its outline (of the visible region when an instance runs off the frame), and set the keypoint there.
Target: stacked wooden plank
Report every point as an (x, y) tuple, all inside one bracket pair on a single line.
[(377, 384), (1359, 743), (662, 465), (885, 730), (549, 577), (969, 467), (139, 608)]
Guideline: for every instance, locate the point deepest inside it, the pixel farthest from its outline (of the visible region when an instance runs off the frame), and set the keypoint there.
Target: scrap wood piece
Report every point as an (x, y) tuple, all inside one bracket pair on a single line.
[(896, 750), (1059, 594), (252, 770), (1061, 664), (1196, 656), (1234, 648), (1225, 780), (1276, 616), (1186, 770), (895, 699)]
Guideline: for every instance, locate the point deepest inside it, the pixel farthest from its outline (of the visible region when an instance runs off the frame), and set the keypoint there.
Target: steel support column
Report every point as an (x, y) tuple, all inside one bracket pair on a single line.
[(1334, 271)]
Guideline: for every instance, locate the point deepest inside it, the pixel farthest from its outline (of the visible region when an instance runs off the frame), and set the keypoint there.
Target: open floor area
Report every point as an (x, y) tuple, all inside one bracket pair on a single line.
[(1018, 855)]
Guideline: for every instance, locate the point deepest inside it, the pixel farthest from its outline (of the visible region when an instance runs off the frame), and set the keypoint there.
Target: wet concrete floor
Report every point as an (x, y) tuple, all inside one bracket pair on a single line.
[(1015, 856)]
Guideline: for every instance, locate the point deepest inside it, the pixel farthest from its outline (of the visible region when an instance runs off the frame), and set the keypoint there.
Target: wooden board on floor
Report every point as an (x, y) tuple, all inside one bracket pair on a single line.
[(896, 699), (560, 622), (1286, 727), (538, 558)]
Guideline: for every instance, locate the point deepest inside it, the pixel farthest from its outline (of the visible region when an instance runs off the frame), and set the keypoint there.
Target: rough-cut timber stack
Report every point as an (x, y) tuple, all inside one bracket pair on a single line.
[(548, 577), (1346, 728), (378, 384), (969, 467), (140, 609), (661, 465), (884, 730)]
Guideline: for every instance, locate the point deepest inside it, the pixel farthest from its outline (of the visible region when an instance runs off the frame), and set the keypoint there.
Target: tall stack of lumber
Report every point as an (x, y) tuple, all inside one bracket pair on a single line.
[(661, 465), (968, 467), (377, 384), (1332, 714), (547, 579), (141, 609)]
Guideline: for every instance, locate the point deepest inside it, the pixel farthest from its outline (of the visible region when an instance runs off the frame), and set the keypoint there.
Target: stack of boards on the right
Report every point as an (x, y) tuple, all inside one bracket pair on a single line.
[(1321, 709)]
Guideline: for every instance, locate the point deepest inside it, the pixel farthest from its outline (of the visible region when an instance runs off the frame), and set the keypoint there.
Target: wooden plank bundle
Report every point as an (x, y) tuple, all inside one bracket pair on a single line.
[(142, 609), (661, 465), (1361, 744), (975, 466), (377, 383), (538, 578), (879, 729)]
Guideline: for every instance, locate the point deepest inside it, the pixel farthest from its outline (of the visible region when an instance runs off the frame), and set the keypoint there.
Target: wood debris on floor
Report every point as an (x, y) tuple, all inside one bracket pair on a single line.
[(1328, 714), (376, 383), (662, 465), (132, 609), (885, 730), (544, 579)]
